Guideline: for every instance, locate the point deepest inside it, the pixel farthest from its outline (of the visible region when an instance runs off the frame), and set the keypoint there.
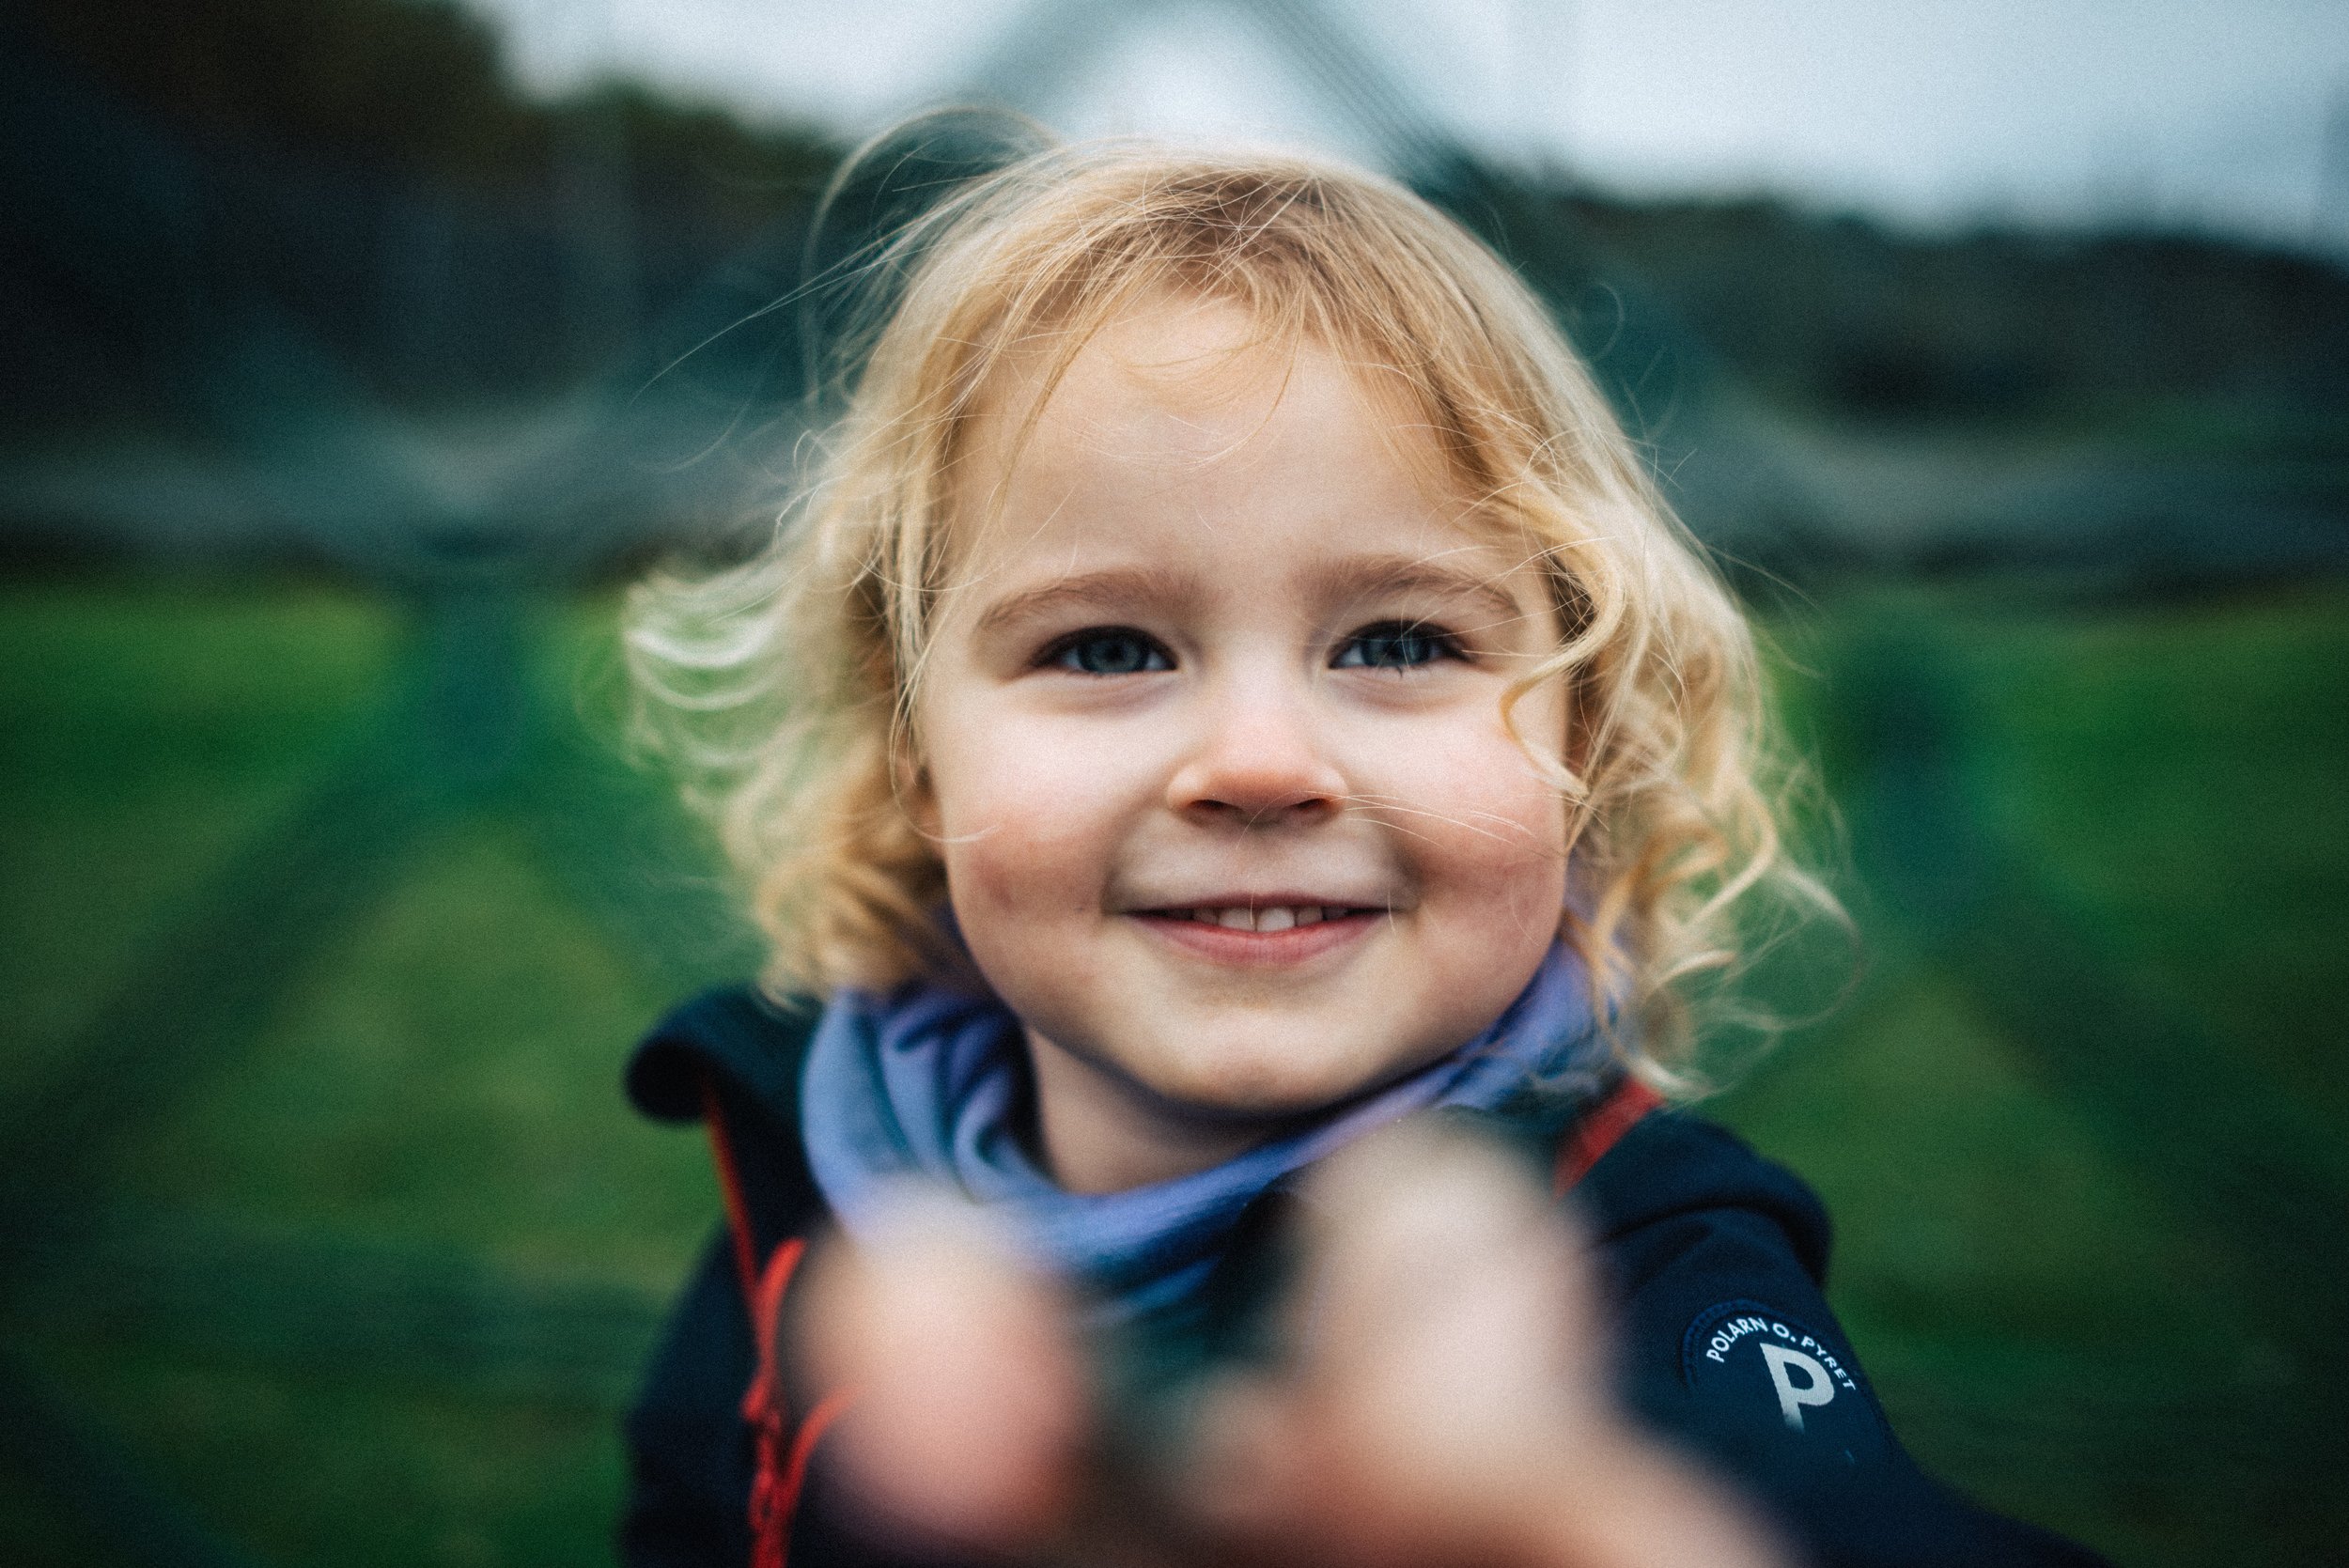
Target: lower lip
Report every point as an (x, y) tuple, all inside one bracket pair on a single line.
[(1224, 945)]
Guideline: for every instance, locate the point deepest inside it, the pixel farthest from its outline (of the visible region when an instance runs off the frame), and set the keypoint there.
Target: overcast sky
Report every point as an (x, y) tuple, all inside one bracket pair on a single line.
[(2213, 112)]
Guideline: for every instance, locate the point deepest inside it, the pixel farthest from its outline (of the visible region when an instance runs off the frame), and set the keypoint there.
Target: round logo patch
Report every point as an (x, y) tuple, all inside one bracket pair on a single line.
[(1766, 1366)]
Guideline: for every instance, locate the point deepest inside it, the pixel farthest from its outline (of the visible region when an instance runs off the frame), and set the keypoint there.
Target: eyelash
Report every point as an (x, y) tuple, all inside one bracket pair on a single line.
[(1066, 652), (1429, 643), (1422, 637)]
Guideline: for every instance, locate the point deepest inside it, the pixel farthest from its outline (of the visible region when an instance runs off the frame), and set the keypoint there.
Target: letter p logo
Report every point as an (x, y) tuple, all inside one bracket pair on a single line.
[(1816, 1387)]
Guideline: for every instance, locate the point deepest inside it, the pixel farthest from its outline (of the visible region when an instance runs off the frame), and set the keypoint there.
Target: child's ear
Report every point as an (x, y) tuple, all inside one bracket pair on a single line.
[(1581, 737), (915, 796)]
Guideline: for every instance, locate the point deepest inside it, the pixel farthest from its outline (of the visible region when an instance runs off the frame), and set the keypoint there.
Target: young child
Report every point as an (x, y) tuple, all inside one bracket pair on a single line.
[(1230, 687)]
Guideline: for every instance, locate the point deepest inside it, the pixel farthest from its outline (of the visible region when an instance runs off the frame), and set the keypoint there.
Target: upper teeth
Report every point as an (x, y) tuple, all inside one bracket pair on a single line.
[(1279, 918)]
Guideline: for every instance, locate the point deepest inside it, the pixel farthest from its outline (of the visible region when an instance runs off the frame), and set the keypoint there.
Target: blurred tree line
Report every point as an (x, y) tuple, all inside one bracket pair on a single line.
[(373, 166), (1841, 313), (370, 166)]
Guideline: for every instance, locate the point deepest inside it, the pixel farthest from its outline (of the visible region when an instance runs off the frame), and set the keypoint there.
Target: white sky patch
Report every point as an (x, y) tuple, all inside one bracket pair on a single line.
[(1931, 111)]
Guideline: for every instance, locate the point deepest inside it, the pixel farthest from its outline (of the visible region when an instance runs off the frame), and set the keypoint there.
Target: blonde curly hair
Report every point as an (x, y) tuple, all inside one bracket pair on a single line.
[(784, 686)]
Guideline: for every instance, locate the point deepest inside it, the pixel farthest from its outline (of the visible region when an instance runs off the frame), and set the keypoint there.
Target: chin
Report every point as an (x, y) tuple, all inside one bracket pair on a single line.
[(1271, 1080)]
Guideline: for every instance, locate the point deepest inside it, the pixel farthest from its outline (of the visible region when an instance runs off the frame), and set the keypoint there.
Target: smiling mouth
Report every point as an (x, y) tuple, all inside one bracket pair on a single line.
[(1264, 917), (1281, 932)]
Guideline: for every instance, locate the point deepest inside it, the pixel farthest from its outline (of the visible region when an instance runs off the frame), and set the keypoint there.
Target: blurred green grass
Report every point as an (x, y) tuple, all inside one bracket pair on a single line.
[(433, 1105)]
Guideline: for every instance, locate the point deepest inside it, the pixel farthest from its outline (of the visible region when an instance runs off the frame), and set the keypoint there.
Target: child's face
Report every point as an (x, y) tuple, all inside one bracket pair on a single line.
[(1224, 662)]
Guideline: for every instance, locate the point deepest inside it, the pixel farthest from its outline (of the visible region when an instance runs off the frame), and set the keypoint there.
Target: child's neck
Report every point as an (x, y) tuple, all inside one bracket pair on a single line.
[(1100, 1132)]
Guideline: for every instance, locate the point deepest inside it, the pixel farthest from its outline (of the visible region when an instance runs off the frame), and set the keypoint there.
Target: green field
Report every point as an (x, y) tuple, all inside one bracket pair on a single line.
[(321, 969)]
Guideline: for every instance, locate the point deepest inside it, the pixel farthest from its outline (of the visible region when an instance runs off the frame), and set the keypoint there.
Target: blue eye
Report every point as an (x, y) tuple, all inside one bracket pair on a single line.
[(1396, 645), (1115, 650)]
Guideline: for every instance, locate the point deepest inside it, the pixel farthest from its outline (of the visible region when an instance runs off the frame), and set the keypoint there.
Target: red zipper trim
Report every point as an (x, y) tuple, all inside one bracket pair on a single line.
[(1600, 1129), (782, 1469), (730, 1183)]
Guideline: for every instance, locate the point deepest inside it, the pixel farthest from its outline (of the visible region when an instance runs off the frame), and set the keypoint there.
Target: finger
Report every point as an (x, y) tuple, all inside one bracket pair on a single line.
[(1453, 1363), (1425, 1385), (1450, 1327), (969, 1409)]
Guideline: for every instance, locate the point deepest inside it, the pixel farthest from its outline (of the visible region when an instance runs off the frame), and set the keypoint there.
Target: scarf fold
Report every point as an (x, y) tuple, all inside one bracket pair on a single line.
[(925, 1083)]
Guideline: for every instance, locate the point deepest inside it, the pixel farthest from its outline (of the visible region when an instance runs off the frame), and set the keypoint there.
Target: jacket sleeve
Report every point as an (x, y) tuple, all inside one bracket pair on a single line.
[(1726, 1345), (689, 1452)]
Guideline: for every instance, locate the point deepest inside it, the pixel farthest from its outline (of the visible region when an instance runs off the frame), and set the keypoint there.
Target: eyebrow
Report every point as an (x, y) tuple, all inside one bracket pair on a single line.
[(1361, 578), (1376, 577), (1098, 589)]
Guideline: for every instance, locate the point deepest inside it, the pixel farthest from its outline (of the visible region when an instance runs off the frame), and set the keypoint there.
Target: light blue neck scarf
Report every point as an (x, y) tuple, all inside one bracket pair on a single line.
[(927, 1083)]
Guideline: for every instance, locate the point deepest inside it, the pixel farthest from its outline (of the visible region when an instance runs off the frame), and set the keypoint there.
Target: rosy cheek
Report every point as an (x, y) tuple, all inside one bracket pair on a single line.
[(1014, 842), (1492, 810)]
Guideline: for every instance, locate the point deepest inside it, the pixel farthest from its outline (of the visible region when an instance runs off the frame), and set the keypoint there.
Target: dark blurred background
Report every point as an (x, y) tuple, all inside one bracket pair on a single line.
[(353, 354)]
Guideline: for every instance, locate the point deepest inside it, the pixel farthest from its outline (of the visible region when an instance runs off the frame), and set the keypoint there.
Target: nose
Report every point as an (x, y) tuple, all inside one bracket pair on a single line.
[(1257, 760)]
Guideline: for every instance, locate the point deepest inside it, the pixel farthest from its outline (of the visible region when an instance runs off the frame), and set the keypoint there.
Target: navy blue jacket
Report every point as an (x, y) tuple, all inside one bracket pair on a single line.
[(1715, 1257)]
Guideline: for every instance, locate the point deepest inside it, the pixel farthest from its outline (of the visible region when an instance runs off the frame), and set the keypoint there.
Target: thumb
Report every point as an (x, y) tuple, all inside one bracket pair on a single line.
[(969, 1408)]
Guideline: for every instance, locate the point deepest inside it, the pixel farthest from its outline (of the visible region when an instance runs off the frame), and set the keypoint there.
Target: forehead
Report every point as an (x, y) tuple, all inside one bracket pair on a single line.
[(1191, 407)]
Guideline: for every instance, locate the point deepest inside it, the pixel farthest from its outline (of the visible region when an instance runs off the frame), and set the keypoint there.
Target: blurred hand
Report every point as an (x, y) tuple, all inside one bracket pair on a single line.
[(1444, 1399), (971, 1412), (1447, 1400)]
